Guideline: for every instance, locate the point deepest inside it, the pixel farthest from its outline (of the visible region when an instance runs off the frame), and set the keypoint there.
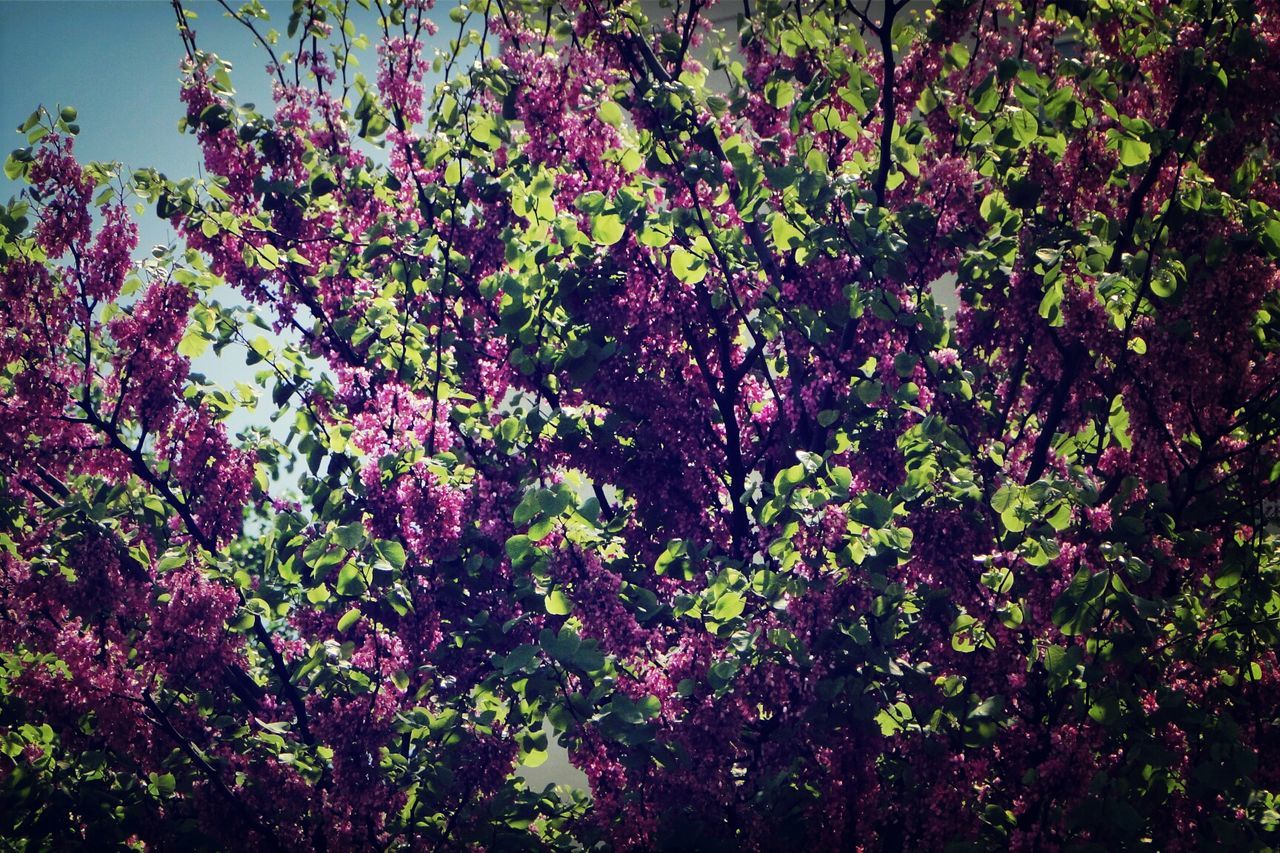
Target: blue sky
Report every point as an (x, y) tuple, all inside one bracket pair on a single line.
[(117, 64)]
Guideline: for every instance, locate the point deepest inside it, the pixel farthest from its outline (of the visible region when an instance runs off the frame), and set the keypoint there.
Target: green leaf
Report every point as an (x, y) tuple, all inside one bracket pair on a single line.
[(526, 509), (351, 581), (554, 503), (987, 96), (676, 550), (517, 547), (893, 719), (194, 342), (1051, 305), (350, 535), (721, 674), (268, 257), (539, 529), (509, 429), (779, 93), (13, 167), (990, 708), (350, 618), (557, 603), (1118, 423), (785, 235), (688, 267), (1079, 606), (656, 236), (392, 552), (323, 185), (622, 708), (1164, 284), (164, 784), (1025, 127), (533, 757), (1270, 236), (1106, 710), (650, 706), (1011, 615), (588, 657), (1133, 152), (728, 606), (171, 561), (520, 657), (610, 113), (607, 229)]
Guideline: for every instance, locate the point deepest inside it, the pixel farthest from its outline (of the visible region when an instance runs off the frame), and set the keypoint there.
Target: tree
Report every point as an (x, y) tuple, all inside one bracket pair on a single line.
[(860, 429)]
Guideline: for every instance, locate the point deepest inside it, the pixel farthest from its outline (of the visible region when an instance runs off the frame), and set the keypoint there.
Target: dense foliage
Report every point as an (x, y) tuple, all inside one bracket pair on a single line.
[(860, 428)]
